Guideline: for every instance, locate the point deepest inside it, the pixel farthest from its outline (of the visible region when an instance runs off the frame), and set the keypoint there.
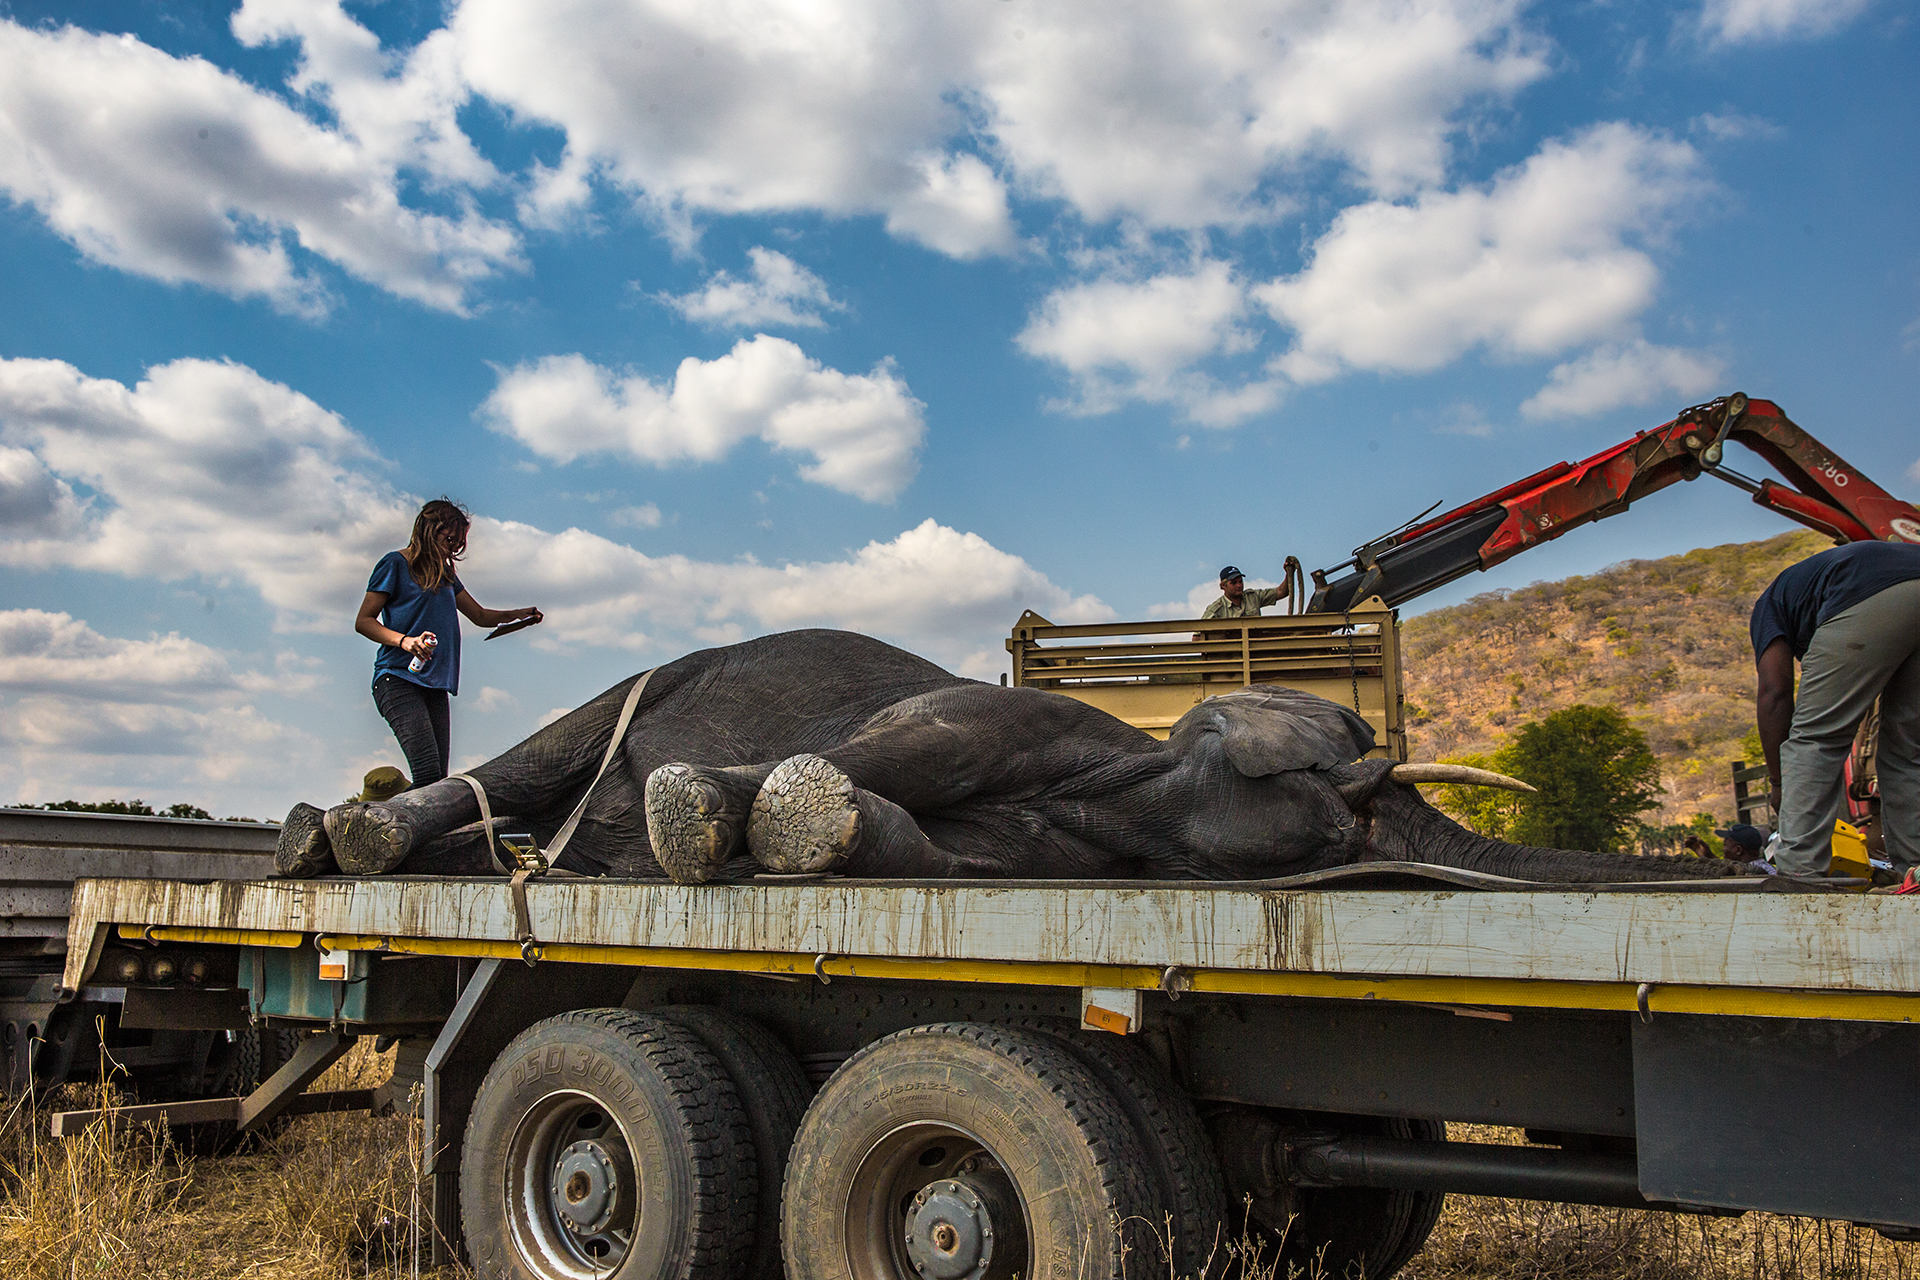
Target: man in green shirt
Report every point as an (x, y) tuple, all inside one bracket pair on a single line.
[(1237, 600)]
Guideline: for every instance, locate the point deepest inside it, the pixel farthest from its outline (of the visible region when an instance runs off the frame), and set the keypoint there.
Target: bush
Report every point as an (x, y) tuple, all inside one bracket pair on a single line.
[(1593, 772)]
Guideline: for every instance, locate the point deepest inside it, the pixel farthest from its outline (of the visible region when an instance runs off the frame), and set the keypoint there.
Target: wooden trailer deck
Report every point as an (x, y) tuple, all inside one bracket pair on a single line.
[(1453, 939)]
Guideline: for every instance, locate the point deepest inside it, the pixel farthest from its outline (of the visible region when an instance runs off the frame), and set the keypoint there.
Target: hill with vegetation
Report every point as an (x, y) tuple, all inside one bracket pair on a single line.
[(1664, 641)]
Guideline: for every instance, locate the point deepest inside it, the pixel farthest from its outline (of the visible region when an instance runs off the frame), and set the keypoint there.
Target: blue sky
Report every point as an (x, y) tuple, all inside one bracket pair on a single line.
[(727, 318)]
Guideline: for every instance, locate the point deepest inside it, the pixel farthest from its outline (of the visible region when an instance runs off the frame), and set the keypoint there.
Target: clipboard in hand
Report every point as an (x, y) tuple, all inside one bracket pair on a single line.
[(508, 628)]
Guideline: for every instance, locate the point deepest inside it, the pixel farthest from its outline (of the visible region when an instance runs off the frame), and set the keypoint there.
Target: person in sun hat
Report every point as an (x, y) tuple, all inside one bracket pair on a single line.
[(383, 783)]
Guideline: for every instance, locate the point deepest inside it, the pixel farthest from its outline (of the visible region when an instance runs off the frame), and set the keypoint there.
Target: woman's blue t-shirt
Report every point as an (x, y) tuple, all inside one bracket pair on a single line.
[(411, 611)]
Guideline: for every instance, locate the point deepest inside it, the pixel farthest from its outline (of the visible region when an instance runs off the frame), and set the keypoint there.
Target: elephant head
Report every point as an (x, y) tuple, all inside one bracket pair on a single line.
[(1302, 762)]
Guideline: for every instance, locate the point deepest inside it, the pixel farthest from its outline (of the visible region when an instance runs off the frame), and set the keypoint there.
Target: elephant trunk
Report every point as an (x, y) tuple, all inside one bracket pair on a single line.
[(1403, 827)]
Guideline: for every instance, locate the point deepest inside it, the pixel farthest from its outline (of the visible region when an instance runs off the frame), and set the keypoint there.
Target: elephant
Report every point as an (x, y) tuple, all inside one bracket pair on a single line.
[(823, 751)]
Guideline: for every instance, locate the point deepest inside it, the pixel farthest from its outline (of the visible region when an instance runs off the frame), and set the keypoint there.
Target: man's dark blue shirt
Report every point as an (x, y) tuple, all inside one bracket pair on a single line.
[(1809, 593)]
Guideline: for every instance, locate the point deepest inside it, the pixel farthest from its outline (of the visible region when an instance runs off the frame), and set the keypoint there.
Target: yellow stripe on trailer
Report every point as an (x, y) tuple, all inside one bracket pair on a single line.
[(1465, 994)]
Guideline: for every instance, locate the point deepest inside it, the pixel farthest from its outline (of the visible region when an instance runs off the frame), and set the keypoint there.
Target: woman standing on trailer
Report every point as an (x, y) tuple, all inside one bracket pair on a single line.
[(412, 611)]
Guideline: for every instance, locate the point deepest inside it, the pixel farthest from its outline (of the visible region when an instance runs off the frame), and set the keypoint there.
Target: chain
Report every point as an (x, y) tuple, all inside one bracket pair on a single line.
[(1353, 673)]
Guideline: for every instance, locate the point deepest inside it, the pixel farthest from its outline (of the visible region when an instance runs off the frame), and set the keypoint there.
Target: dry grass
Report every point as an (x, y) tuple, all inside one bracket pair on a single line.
[(1485, 1239), (336, 1198), (332, 1197), (1525, 1240)]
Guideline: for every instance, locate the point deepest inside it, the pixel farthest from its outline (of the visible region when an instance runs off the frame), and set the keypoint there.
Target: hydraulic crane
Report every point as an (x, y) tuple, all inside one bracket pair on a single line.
[(1826, 494)]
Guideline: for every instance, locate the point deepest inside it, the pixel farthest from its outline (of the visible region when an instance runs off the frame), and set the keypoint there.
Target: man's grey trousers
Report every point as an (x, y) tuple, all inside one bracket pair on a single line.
[(1871, 650)]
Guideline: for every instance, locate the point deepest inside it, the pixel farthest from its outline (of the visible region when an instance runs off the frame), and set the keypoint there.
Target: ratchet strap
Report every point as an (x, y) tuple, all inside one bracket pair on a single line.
[(529, 861)]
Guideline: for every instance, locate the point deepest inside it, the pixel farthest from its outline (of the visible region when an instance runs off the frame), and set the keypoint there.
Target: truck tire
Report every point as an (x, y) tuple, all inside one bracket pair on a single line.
[(605, 1142), (963, 1151), (773, 1091), (1368, 1231), (1181, 1162), (1423, 1208)]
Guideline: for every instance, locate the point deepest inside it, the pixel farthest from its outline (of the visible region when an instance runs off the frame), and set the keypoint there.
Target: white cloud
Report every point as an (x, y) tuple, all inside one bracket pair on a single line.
[(1541, 261), (492, 699), (1179, 114), (34, 503), (862, 430), (958, 206), (644, 516), (402, 111), (1913, 472), (209, 470), (931, 587), (716, 109), (1197, 599), (1617, 375), (124, 713), (1465, 419), (1760, 21), (56, 653), (781, 292), (203, 469), (1733, 127), (174, 169), (1173, 115), (1124, 340)]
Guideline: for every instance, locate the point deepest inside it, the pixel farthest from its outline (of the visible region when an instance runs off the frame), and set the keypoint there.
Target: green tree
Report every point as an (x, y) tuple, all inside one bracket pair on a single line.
[(1594, 773), (133, 808), (1486, 810)]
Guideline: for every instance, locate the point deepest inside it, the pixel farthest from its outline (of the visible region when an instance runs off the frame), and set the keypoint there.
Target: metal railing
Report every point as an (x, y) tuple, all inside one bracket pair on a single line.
[(1152, 673)]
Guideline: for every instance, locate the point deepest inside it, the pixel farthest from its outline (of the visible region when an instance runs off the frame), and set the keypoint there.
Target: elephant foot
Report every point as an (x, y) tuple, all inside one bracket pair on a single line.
[(692, 823), (303, 850), (805, 817), (369, 839)]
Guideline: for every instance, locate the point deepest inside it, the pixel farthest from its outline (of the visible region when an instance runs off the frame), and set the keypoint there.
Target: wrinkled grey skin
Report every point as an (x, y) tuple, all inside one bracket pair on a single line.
[(941, 776)]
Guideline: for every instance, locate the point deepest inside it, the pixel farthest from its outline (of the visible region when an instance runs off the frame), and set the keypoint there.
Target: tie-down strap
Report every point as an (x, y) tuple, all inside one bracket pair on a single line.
[(532, 862)]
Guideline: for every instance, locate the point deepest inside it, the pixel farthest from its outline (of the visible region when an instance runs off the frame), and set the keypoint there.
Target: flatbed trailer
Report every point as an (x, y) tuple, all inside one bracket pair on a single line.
[(1291, 1049)]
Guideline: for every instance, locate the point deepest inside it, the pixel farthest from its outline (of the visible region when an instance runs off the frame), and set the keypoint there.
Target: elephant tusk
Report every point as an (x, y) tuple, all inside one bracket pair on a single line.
[(1459, 774)]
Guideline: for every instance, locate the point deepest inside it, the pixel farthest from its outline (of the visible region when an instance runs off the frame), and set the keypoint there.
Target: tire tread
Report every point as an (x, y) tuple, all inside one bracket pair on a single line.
[(773, 1094), (1177, 1145), (703, 1107), (1105, 1129)]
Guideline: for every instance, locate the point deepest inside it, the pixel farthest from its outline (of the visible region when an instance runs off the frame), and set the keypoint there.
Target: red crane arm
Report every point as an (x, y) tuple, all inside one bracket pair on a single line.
[(1827, 495)]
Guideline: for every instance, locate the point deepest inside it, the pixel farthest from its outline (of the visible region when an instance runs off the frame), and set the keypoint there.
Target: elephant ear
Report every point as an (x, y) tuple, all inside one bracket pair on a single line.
[(1273, 730)]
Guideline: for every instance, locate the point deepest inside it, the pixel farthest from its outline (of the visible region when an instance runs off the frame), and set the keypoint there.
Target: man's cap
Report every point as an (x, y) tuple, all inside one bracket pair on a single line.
[(1742, 833), (1231, 572), (383, 783)]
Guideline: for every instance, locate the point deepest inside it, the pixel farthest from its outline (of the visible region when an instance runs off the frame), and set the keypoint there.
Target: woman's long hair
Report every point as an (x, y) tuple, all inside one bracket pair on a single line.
[(439, 522)]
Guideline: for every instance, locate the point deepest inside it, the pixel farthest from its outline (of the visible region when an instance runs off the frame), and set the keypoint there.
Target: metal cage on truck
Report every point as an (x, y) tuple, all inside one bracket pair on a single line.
[(1152, 673)]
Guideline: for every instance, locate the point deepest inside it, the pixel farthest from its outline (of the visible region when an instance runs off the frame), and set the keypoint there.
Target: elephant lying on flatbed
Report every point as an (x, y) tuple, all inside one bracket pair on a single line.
[(824, 750)]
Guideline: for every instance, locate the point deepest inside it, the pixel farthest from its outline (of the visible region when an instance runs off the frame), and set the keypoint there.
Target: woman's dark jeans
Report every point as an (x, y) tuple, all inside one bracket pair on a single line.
[(420, 720)]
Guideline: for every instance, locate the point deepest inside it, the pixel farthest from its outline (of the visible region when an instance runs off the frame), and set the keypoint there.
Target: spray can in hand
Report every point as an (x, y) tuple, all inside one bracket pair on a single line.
[(420, 660)]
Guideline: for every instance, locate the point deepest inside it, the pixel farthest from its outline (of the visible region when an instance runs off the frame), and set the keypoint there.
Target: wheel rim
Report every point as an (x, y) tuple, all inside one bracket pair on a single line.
[(573, 1195), (930, 1201)]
